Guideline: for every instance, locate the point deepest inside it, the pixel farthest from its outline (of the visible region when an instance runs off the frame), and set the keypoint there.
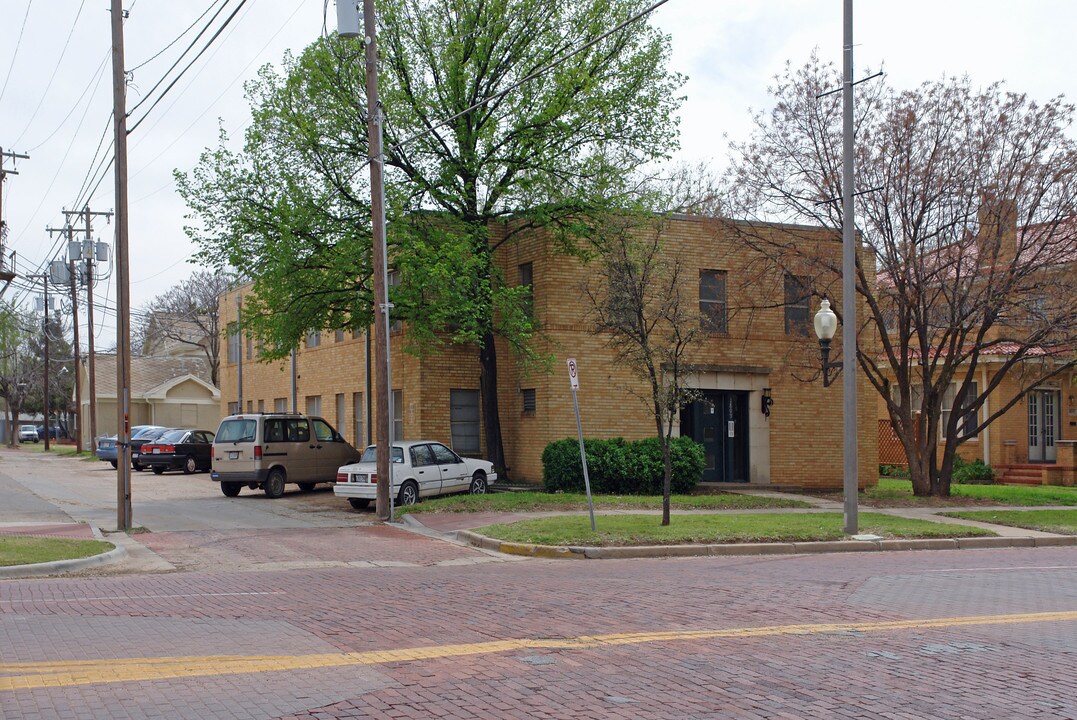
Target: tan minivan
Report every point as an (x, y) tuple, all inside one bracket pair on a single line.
[(267, 450)]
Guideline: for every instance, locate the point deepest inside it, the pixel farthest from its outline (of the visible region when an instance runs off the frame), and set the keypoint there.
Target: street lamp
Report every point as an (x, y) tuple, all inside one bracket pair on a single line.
[(826, 324)]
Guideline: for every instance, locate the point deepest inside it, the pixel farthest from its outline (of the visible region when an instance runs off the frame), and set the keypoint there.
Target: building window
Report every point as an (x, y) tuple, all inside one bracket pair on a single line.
[(356, 334), (398, 414), (250, 406), (314, 339), (528, 397), (261, 406), (527, 280), (233, 343), (464, 420), (314, 405), (712, 301), (359, 413), (338, 336), (621, 303), (967, 421), (797, 298), (250, 348), (280, 405), (233, 408), (340, 410), (394, 280)]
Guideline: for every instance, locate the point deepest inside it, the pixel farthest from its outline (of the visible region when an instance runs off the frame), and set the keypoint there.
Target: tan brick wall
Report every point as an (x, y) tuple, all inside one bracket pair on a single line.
[(805, 427)]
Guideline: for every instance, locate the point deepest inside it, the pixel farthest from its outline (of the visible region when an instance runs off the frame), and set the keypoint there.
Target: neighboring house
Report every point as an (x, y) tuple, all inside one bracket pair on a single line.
[(1035, 440), (172, 391), (758, 323)]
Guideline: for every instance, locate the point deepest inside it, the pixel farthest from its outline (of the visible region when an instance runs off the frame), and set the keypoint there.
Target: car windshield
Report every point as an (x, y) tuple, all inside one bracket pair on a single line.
[(172, 436), (151, 434), (238, 430), (371, 454)]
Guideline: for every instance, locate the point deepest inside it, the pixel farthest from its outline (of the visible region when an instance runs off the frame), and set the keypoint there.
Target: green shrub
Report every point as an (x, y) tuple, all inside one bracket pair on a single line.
[(621, 468), (897, 471), (972, 473)]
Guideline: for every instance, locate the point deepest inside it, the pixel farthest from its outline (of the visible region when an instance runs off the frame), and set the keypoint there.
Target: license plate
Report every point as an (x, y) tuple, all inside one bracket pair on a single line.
[(233, 455), (157, 451)]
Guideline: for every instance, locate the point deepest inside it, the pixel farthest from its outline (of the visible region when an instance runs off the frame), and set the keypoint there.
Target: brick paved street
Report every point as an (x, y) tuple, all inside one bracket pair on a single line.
[(300, 608)]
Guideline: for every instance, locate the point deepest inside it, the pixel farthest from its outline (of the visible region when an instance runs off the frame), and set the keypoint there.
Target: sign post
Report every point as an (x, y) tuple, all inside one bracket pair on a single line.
[(574, 381)]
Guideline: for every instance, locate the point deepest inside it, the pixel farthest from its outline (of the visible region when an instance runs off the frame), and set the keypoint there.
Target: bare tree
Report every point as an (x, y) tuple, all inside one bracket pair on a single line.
[(20, 366), (966, 208), (637, 305), (186, 315)]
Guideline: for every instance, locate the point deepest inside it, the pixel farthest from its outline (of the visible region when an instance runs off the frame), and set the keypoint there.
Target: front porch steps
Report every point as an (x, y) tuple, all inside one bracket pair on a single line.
[(1028, 474)]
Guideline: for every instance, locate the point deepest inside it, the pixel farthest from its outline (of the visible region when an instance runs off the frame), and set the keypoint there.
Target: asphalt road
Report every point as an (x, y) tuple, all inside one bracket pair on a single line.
[(340, 618)]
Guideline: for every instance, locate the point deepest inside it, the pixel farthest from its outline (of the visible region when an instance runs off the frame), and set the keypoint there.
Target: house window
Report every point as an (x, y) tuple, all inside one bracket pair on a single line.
[(797, 297), (314, 339), (398, 414), (340, 410), (314, 405), (464, 420), (359, 413), (280, 405), (527, 280), (712, 301), (338, 336), (528, 397), (233, 342), (967, 421), (233, 408)]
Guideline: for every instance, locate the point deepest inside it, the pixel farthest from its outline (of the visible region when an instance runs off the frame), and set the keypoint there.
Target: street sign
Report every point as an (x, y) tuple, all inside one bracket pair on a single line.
[(573, 377)]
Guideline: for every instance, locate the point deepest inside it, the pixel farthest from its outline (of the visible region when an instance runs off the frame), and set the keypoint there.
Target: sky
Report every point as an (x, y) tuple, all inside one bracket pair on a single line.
[(56, 95)]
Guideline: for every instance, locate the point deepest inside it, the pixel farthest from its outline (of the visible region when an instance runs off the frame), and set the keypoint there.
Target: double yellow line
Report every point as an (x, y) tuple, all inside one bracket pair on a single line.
[(34, 675)]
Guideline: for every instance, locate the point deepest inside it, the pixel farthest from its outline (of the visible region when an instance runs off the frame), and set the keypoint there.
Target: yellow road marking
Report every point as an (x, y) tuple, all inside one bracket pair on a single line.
[(32, 675)]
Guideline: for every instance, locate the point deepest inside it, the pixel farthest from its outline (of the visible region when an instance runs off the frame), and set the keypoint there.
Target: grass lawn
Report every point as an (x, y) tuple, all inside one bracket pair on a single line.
[(1063, 522), (894, 492), (16, 550), (530, 501), (764, 527)]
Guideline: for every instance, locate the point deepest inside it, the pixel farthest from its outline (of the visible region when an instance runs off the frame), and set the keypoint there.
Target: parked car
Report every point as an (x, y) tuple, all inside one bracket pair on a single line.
[(271, 449), (28, 433), (55, 432), (421, 468), (144, 436), (106, 446), (186, 450)]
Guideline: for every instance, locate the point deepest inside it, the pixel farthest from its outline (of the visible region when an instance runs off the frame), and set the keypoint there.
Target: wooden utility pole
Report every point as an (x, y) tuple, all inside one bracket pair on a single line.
[(85, 216), (72, 269), (123, 290), (7, 273)]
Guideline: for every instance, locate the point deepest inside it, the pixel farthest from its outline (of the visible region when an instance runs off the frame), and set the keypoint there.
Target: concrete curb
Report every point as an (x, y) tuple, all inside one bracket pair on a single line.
[(802, 548), (58, 567)]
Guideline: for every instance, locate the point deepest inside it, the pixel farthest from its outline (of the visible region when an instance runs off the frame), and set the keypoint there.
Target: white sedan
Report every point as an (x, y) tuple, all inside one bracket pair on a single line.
[(420, 468)]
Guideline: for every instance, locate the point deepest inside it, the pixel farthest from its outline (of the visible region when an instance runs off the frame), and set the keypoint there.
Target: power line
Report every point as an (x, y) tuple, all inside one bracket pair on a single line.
[(48, 86), (15, 54), (175, 40), (95, 80)]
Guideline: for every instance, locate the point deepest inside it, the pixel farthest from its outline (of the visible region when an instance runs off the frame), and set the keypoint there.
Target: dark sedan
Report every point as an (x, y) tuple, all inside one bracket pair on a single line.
[(186, 450), (137, 441)]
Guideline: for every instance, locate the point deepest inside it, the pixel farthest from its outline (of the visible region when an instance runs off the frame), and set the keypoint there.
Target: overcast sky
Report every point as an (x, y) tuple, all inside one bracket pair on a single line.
[(56, 97)]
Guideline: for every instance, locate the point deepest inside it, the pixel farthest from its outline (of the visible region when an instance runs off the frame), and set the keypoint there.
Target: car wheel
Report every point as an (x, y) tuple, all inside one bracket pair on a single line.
[(274, 484), (137, 467), (157, 469), (189, 465), (359, 503), (231, 489), (478, 483), (307, 487), (409, 493), (113, 463)]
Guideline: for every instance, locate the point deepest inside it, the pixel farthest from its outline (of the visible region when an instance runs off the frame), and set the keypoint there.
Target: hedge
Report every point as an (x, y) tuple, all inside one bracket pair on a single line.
[(620, 467)]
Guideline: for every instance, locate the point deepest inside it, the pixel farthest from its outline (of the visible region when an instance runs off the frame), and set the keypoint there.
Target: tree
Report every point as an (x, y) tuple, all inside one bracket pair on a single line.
[(61, 372), (20, 366), (186, 315), (493, 127), (966, 209)]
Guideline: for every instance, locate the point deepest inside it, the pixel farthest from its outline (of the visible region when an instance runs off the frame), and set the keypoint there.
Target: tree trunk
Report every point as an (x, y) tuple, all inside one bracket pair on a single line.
[(491, 418)]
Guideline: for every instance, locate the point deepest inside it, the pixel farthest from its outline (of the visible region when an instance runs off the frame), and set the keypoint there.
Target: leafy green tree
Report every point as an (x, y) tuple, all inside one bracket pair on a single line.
[(501, 116), (20, 366), (61, 373)]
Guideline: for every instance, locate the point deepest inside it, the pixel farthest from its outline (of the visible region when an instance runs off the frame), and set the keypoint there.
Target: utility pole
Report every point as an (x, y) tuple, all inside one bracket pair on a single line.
[(239, 349), (850, 482), (7, 273), (348, 26), (89, 254), (78, 370), (123, 290), (45, 329)]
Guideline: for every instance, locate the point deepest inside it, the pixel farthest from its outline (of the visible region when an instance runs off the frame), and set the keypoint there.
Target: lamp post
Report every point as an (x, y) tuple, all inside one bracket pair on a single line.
[(826, 325)]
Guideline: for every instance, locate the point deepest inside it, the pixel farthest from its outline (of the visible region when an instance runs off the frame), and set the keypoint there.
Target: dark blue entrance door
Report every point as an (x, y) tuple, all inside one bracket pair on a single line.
[(719, 420)]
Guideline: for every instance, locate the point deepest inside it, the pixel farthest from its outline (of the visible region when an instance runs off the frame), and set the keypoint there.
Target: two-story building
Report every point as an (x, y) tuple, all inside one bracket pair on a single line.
[(761, 413)]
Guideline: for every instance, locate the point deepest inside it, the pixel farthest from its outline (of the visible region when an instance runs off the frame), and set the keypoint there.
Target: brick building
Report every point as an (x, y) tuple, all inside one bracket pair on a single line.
[(763, 347)]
